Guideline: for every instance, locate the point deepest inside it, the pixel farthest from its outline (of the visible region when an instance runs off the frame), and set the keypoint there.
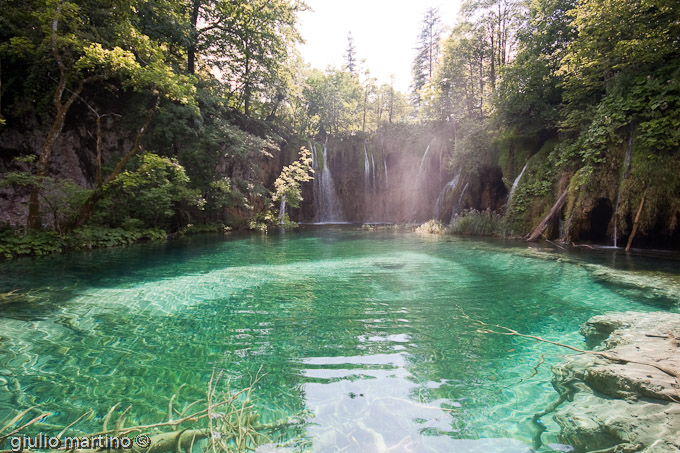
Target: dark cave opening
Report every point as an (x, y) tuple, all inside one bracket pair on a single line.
[(600, 216)]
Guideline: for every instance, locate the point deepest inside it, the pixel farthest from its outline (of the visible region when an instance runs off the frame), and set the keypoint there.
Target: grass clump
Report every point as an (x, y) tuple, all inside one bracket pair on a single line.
[(478, 223)]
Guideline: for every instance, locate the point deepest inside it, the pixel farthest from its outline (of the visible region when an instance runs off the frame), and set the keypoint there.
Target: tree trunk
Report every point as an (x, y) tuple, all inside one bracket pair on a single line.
[(544, 223), (246, 85), (87, 208), (492, 74), (43, 166), (635, 224), (279, 98), (389, 118), (193, 37), (363, 123)]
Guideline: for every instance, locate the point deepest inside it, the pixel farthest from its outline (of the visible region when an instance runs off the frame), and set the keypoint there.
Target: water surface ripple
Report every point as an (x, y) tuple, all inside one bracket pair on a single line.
[(368, 336)]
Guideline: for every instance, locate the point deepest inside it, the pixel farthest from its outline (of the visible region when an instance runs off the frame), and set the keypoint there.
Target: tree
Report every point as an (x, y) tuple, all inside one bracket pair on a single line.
[(350, 55), (617, 42), (457, 88), (333, 101), (248, 43), (427, 52), (287, 185), (88, 44), (150, 191), (499, 20), (530, 93)]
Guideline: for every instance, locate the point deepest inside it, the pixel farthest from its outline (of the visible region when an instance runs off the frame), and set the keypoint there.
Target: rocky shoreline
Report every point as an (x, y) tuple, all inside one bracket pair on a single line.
[(630, 405)]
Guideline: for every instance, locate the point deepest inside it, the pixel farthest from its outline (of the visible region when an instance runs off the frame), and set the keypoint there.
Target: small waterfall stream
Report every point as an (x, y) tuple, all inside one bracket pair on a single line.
[(450, 186), (329, 209), (385, 165), (367, 170), (374, 172), (626, 170), (368, 211), (282, 211), (419, 182), (316, 185), (515, 183), (456, 207)]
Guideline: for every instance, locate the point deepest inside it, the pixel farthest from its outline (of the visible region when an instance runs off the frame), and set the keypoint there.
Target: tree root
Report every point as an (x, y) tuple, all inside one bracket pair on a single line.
[(233, 428)]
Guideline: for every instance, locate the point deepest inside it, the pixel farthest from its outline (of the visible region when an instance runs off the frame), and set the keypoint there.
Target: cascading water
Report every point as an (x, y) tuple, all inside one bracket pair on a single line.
[(624, 175), (385, 165), (450, 186), (419, 182), (456, 207), (282, 211), (374, 172), (316, 187), (367, 170), (367, 184), (329, 209), (515, 183)]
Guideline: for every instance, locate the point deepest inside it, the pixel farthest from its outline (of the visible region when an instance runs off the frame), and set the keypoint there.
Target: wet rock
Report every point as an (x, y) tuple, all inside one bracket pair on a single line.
[(626, 405)]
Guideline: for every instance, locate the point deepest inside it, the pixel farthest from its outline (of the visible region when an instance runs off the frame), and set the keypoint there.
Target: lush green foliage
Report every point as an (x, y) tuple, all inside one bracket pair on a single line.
[(37, 243), (170, 76), (149, 192), (478, 223), (200, 96), (598, 77), (288, 192), (287, 185)]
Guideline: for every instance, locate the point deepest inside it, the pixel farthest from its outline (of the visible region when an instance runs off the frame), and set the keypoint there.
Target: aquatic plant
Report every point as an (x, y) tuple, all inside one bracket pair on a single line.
[(223, 422)]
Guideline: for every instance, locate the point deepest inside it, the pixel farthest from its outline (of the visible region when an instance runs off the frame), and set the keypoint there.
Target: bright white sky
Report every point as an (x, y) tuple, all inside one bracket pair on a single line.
[(385, 33)]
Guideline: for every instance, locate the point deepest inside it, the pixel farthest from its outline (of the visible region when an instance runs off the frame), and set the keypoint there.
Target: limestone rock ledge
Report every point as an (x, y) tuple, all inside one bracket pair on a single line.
[(623, 406)]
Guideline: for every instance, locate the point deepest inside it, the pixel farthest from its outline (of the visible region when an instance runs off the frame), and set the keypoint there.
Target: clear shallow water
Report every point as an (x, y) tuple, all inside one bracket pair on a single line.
[(368, 335)]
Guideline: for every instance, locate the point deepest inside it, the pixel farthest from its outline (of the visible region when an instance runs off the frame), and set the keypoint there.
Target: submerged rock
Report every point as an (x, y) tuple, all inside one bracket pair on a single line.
[(627, 405)]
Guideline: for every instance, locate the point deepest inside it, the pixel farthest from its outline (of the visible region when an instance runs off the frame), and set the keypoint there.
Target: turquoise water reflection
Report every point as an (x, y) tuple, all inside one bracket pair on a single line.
[(367, 335)]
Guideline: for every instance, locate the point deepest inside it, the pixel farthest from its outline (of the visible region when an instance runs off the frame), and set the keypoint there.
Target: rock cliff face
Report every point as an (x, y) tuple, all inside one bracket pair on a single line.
[(74, 159), (402, 175), (630, 405)]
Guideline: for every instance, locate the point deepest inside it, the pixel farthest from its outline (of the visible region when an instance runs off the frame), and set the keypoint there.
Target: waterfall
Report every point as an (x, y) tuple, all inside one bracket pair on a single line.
[(419, 177), (373, 169), (367, 170), (624, 175), (329, 205), (316, 187), (385, 165), (450, 186), (367, 183), (423, 161), (282, 211), (515, 183), (456, 207)]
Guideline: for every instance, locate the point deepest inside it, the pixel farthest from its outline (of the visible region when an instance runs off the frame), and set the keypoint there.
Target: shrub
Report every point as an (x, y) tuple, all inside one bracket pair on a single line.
[(432, 227), (478, 223), (14, 243)]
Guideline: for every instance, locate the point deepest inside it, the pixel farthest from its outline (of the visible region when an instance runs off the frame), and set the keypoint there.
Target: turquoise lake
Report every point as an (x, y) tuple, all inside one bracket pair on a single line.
[(368, 338)]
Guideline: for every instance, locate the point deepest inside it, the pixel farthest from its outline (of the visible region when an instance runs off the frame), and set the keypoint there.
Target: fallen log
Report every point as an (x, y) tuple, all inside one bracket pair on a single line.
[(635, 224), (544, 223)]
